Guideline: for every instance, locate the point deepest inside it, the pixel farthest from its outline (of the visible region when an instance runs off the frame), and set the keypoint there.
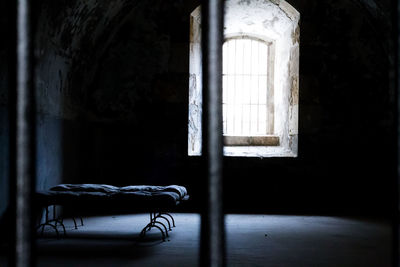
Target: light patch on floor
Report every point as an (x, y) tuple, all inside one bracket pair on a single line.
[(252, 240)]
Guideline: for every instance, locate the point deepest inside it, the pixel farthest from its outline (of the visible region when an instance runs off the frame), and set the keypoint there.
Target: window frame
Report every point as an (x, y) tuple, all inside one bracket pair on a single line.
[(270, 138)]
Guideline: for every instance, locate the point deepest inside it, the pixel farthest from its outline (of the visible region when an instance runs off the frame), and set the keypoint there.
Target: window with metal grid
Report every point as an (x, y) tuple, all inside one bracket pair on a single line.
[(247, 91)]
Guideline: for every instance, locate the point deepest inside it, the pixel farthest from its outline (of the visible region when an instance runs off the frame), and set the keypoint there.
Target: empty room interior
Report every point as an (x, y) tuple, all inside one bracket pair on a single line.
[(309, 121)]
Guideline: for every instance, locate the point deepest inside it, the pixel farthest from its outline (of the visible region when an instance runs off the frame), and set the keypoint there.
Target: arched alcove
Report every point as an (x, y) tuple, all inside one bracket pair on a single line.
[(278, 22)]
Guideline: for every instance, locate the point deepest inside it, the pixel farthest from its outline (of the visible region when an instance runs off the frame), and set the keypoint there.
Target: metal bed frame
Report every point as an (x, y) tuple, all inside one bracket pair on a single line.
[(154, 223)]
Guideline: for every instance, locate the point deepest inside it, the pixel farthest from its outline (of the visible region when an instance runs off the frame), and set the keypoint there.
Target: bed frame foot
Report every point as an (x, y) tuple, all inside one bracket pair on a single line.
[(172, 218), (43, 225), (148, 228), (162, 217)]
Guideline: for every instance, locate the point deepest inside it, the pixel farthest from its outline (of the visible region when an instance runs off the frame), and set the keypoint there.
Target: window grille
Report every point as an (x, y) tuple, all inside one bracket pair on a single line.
[(247, 99)]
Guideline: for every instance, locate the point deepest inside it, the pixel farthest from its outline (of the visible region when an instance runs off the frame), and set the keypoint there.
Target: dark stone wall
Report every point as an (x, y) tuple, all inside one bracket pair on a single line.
[(4, 126), (137, 104), (112, 87)]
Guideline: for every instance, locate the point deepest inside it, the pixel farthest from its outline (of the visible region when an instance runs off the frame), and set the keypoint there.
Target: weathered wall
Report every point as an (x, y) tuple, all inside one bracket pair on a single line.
[(69, 36), (112, 85)]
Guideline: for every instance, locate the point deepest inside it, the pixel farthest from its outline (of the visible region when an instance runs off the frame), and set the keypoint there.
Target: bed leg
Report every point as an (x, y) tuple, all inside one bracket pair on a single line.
[(41, 231), (169, 224), (54, 214), (53, 226), (153, 219), (146, 228), (65, 232), (172, 218), (47, 214), (165, 228), (73, 219), (149, 226), (56, 223)]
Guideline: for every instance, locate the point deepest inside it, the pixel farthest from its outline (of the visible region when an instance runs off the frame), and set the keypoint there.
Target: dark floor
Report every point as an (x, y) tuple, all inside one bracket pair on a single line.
[(252, 240)]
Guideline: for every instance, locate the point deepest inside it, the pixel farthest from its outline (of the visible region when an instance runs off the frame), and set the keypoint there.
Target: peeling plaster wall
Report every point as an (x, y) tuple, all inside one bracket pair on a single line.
[(195, 85), (272, 21), (278, 22)]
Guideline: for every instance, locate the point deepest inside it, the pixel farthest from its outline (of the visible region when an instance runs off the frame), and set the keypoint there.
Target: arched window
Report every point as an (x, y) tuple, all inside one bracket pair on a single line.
[(248, 91), (260, 79)]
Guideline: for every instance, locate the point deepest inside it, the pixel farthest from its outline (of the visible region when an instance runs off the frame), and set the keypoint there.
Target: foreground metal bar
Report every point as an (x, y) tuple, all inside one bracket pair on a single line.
[(25, 179), (396, 78), (212, 246)]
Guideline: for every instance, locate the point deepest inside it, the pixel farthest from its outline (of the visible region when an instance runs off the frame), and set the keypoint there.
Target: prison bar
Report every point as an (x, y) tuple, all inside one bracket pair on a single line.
[(212, 236), (24, 106), (395, 77)]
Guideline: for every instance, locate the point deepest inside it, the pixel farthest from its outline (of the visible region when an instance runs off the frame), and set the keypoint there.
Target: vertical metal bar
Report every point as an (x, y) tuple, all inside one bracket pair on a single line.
[(267, 94), (396, 182), (242, 88), (25, 178), (395, 86), (251, 83), (235, 88), (212, 241), (258, 88), (227, 88)]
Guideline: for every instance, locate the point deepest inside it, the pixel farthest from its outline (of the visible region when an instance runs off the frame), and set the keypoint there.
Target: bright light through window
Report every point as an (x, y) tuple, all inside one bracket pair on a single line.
[(260, 79), (245, 88)]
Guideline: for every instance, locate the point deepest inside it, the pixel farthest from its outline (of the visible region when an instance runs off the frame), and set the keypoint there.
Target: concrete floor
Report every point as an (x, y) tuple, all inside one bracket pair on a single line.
[(252, 240)]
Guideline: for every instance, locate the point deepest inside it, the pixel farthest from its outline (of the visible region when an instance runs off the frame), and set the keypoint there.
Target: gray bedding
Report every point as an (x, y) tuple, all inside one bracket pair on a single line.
[(134, 197)]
